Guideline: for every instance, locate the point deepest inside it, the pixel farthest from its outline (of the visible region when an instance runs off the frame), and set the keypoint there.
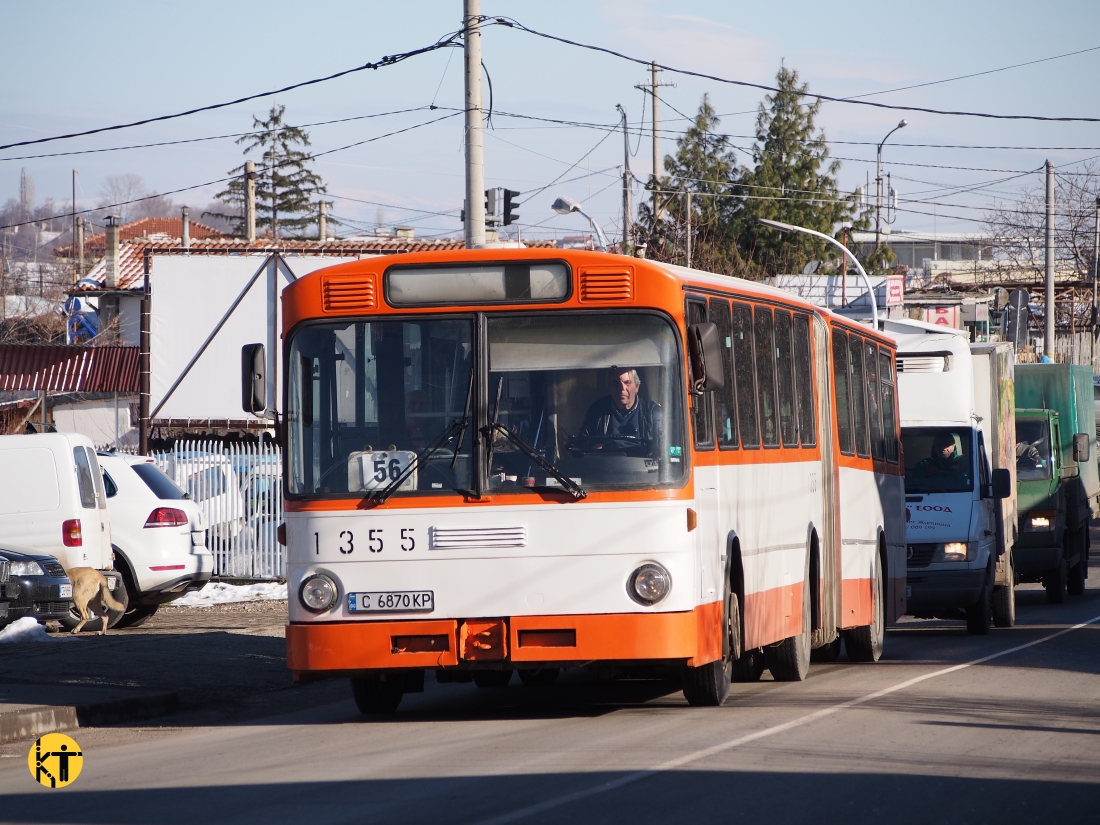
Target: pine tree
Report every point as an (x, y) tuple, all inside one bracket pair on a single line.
[(793, 181), (286, 188), (704, 164)]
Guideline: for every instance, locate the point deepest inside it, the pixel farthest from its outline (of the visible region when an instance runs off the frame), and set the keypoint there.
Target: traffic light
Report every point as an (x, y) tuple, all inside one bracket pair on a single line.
[(510, 196)]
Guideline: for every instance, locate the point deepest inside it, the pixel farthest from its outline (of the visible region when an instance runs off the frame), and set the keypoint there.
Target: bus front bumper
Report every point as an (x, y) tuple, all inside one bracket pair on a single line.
[(318, 649)]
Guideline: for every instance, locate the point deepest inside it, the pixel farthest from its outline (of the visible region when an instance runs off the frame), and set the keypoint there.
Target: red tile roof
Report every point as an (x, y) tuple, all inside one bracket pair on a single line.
[(132, 265), (68, 369), (147, 227)]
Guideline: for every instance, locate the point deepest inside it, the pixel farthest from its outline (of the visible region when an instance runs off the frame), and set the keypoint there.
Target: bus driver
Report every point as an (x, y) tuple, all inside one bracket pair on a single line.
[(623, 412)]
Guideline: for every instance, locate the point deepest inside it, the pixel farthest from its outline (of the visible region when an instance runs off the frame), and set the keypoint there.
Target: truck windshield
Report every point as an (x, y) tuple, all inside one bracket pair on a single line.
[(1032, 450), (596, 396), (938, 459), (365, 397)]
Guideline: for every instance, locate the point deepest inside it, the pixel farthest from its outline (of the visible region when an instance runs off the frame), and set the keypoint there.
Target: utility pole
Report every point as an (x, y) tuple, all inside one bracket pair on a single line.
[(250, 200), (475, 158), (628, 207), (1095, 256), (76, 272), (1048, 332), (322, 223), (687, 246), (652, 89)]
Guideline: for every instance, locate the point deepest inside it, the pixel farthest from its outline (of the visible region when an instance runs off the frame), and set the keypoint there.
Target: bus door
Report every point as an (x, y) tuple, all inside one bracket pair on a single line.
[(709, 549), (830, 487)]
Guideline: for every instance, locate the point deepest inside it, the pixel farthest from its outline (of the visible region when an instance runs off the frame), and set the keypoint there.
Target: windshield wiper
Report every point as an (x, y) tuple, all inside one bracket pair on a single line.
[(567, 483), (455, 431)]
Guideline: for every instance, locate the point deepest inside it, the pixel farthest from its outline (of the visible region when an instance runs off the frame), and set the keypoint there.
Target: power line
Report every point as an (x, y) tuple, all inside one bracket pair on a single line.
[(515, 24), (388, 60), (212, 137)]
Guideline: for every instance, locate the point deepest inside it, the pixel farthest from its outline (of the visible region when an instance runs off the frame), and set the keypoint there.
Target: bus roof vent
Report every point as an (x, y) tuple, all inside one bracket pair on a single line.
[(930, 362), (340, 293), (607, 283)]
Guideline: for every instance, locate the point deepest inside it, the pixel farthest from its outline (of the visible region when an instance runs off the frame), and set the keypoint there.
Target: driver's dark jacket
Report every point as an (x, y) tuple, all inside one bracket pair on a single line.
[(600, 415)]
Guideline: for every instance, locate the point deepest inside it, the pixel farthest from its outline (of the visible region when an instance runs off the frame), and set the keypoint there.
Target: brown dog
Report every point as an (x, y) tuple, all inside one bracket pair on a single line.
[(90, 587)]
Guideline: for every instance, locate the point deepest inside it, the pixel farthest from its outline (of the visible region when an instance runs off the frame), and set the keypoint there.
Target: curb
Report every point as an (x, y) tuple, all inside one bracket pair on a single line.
[(33, 722)]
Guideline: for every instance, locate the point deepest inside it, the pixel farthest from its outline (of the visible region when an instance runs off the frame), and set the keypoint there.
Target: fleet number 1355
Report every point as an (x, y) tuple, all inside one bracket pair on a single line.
[(375, 541)]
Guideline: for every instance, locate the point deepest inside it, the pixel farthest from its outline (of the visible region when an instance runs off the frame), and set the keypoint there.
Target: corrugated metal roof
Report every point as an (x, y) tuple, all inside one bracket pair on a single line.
[(68, 369)]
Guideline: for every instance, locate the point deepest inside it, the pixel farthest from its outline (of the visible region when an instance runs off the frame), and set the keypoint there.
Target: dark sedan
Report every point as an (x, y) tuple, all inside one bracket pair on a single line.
[(37, 586)]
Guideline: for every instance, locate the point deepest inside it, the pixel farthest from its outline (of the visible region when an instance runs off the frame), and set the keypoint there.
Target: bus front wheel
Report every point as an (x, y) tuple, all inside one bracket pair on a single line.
[(377, 694)]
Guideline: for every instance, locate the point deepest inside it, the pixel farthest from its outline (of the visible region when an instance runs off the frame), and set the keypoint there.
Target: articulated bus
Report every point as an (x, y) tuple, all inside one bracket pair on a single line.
[(530, 459)]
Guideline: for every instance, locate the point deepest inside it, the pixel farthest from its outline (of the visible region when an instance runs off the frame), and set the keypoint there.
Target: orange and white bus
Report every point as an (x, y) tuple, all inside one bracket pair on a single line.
[(530, 459)]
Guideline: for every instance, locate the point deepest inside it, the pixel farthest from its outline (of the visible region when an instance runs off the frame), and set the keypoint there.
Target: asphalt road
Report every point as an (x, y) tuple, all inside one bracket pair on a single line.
[(946, 728)]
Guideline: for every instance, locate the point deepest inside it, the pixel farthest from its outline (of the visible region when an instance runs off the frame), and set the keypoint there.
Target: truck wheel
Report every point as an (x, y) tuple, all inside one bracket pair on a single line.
[(539, 677), (1004, 599), (492, 678), (1080, 571), (1055, 583), (864, 644), (789, 660), (377, 694), (979, 617)]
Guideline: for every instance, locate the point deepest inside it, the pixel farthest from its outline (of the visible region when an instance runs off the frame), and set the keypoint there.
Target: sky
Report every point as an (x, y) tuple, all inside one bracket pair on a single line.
[(72, 66)]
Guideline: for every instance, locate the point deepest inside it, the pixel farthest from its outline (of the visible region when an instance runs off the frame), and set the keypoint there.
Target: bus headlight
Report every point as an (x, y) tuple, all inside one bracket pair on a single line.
[(318, 593), (649, 584)]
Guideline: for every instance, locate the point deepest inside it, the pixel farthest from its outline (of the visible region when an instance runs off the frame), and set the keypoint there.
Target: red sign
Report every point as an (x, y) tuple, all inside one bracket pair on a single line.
[(895, 290)]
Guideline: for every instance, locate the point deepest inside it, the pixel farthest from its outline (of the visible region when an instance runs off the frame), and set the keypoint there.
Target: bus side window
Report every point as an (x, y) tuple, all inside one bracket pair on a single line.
[(701, 405), (803, 379), (746, 375), (859, 400), (874, 404), (840, 384), (725, 400), (889, 422), (765, 374), (788, 425)]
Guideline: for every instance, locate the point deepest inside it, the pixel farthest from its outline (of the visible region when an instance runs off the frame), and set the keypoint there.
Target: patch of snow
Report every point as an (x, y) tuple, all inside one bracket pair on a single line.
[(222, 593), (26, 629)]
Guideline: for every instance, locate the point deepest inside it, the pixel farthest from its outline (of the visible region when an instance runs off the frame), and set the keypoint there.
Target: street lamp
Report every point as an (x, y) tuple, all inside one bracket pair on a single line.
[(786, 227), (565, 205), (878, 184)]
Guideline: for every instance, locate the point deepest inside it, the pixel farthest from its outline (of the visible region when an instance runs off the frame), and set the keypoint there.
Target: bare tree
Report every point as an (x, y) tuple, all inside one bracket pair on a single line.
[(121, 189), (1018, 227)]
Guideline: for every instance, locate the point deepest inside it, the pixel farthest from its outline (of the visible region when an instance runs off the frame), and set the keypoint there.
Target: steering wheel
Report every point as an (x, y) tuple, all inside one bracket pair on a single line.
[(587, 443)]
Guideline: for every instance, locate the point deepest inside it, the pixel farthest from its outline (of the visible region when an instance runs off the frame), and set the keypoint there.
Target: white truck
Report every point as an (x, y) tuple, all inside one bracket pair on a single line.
[(957, 411)]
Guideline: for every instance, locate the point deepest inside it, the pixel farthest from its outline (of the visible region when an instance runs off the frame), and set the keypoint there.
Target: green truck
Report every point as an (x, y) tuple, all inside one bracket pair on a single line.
[(1057, 485)]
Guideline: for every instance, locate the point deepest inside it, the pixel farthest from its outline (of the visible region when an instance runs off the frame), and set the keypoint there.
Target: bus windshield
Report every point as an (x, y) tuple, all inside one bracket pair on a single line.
[(1032, 450), (938, 460), (377, 407), (365, 397), (596, 396)]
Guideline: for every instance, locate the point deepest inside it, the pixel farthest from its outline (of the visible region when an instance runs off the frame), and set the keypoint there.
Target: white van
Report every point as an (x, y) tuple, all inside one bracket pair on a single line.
[(52, 501)]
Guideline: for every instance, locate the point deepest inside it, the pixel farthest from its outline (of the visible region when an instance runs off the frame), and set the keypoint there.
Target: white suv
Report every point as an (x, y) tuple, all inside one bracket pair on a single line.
[(158, 533)]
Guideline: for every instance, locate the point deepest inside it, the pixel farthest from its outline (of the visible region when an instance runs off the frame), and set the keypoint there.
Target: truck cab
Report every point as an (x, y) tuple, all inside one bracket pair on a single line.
[(953, 402)]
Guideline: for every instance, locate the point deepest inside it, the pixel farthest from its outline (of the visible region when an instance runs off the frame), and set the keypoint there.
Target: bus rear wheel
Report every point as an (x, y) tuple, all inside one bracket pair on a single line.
[(789, 660), (377, 694)]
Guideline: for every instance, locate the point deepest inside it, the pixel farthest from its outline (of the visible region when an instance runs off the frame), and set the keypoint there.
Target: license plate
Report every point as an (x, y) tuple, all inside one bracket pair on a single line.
[(392, 601), (66, 591)]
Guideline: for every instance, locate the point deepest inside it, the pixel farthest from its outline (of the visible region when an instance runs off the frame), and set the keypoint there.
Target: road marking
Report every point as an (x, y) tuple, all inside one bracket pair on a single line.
[(695, 756)]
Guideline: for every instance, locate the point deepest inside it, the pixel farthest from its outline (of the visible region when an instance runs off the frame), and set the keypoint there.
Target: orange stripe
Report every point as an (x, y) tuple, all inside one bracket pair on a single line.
[(773, 615), (856, 602), (692, 636)]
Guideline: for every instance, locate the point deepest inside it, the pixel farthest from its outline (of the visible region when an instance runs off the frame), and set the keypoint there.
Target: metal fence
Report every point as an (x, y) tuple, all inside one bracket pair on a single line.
[(238, 487)]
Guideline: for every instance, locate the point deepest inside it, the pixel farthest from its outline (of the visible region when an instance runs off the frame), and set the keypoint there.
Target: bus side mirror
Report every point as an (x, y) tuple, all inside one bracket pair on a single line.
[(705, 351), (1081, 447), (1002, 484), (253, 379)]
